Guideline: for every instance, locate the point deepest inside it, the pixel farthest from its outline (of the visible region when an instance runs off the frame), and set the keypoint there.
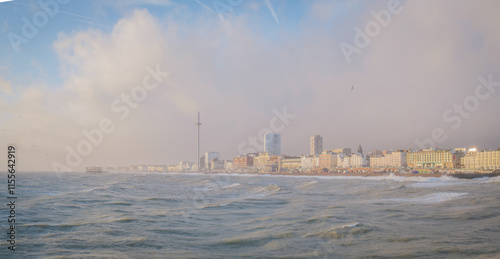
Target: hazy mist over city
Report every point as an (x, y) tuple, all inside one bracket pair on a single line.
[(381, 74)]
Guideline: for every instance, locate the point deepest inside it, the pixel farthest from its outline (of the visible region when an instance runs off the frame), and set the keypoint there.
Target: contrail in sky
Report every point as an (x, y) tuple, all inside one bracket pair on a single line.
[(204, 5), (271, 9), (61, 11)]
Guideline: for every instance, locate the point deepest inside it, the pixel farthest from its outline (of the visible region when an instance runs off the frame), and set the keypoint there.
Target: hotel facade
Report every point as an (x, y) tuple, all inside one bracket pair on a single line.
[(482, 160), (434, 158)]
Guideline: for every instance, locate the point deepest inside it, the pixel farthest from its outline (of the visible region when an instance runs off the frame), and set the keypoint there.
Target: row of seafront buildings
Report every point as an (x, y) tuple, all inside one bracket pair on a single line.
[(331, 160), (271, 160), (334, 159)]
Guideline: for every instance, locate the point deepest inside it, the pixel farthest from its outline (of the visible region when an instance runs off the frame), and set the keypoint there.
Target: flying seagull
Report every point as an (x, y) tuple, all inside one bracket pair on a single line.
[(352, 88)]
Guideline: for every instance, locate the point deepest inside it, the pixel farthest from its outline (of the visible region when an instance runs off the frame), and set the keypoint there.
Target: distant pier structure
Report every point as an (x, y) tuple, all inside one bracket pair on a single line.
[(94, 169)]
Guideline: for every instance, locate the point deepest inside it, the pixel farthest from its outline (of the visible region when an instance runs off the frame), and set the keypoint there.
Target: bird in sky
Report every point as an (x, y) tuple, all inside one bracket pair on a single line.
[(352, 88)]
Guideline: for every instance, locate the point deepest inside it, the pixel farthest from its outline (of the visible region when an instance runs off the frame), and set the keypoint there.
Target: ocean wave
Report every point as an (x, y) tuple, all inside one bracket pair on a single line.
[(431, 184), (342, 231), (428, 199), (319, 218), (93, 189), (231, 185), (55, 226), (402, 239), (307, 185), (160, 199), (492, 179), (255, 193), (258, 237), (437, 182), (125, 220), (121, 203), (259, 219)]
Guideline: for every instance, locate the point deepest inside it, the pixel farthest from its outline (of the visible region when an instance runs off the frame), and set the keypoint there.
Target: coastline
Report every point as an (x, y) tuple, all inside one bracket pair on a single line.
[(350, 174), (356, 174), (458, 175)]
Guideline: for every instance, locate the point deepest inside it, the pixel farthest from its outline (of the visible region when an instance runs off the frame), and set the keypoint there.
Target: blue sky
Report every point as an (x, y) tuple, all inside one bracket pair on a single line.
[(416, 64), (38, 60)]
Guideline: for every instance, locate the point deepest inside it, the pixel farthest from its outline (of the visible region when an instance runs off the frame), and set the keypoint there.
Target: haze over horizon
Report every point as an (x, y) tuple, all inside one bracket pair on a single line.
[(238, 70)]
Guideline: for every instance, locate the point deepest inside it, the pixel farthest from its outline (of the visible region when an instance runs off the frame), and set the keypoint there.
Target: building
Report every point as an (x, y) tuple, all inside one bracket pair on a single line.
[(185, 165), (273, 164), (209, 156), (261, 160), (272, 143), (327, 159), (399, 158), (358, 160), (352, 160), (379, 161), (217, 164), (481, 160), (433, 158), (390, 159), (289, 163), (308, 162), (242, 162), (228, 165), (316, 145), (173, 168), (343, 160), (202, 162)]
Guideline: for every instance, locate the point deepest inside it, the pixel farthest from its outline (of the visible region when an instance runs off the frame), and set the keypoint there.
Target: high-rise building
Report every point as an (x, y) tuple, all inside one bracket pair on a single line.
[(209, 156), (272, 143), (316, 145)]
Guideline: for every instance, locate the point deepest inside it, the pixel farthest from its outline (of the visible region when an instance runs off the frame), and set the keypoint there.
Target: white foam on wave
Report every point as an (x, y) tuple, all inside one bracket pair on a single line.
[(432, 182), (231, 185), (491, 179), (261, 192), (352, 225), (308, 184), (252, 193), (430, 198)]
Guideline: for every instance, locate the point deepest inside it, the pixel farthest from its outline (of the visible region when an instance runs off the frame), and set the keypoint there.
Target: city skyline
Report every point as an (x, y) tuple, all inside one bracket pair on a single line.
[(121, 82), (346, 158)]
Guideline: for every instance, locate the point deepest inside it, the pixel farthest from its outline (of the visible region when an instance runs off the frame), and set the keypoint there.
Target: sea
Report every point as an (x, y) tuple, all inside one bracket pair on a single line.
[(176, 215)]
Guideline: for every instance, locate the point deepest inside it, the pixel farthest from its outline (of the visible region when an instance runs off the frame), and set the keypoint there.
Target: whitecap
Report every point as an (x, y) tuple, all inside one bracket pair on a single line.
[(429, 199)]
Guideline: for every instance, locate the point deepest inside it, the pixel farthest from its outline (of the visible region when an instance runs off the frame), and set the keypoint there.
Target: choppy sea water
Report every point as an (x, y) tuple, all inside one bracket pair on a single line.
[(165, 215)]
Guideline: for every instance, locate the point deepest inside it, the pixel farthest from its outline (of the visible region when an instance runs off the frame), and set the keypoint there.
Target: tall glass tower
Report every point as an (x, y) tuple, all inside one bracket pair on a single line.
[(272, 143)]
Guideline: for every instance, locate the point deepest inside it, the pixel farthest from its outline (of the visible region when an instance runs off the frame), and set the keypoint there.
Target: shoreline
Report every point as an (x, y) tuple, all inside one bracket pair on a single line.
[(458, 175), (350, 174)]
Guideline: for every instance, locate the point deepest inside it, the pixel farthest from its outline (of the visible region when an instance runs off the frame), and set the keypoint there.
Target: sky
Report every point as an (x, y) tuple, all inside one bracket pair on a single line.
[(113, 83)]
